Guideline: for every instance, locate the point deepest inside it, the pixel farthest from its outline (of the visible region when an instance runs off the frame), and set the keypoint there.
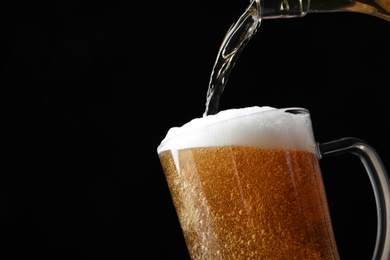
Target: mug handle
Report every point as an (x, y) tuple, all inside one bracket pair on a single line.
[(379, 181)]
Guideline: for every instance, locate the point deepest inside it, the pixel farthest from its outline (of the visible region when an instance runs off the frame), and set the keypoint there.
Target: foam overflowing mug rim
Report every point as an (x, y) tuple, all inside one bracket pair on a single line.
[(229, 115)]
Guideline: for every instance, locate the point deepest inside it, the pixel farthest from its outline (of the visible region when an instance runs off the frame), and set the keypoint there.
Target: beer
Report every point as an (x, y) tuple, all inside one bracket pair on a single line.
[(254, 192)]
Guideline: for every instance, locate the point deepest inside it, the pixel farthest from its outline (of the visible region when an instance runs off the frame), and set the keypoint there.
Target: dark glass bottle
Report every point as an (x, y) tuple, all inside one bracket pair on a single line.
[(296, 8)]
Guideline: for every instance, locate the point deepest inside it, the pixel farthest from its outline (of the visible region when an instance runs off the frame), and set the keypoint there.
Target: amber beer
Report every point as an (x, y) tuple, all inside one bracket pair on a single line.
[(246, 184)]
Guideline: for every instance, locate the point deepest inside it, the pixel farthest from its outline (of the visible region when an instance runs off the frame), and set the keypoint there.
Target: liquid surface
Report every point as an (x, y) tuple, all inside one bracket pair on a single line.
[(264, 127)]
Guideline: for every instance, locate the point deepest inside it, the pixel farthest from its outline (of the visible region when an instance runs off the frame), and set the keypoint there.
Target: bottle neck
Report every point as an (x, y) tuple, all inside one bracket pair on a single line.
[(274, 9)]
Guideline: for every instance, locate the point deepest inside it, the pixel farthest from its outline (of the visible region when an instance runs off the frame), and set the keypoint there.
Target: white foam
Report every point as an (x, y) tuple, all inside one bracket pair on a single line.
[(265, 127)]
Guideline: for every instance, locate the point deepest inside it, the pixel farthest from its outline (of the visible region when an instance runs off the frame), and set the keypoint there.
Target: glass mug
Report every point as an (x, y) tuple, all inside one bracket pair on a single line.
[(247, 184)]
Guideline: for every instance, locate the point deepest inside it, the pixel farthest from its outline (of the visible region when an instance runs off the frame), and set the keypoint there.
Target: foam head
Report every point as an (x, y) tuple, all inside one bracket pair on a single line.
[(265, 127)]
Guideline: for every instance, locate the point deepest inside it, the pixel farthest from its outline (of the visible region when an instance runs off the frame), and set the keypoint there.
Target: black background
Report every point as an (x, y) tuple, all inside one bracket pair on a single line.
[(88, 90)]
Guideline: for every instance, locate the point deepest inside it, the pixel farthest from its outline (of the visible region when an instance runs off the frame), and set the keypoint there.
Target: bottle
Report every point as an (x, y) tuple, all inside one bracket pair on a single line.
[(272, 9)]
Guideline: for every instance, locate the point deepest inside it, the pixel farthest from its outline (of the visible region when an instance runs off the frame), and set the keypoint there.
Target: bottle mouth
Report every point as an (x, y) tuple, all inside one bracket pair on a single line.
[(271, 9)]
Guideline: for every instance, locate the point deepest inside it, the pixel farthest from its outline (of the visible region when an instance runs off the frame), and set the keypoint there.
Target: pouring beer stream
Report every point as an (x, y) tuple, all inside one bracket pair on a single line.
[(246, 27)]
